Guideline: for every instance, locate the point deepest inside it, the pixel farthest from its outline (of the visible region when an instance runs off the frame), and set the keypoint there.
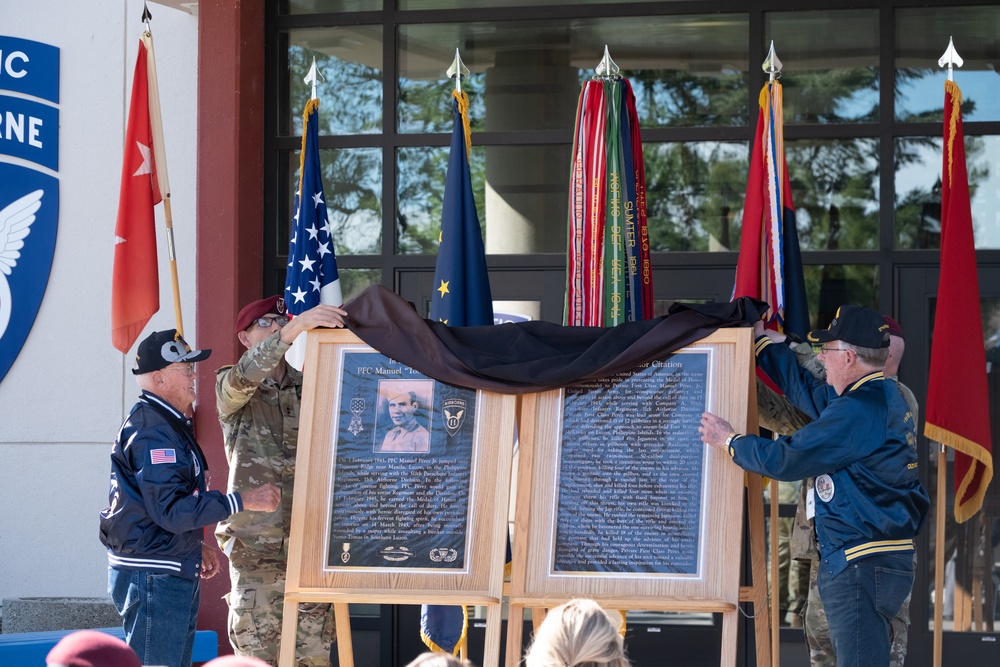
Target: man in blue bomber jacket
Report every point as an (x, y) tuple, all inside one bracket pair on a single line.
[(159, 504), (869, 503)]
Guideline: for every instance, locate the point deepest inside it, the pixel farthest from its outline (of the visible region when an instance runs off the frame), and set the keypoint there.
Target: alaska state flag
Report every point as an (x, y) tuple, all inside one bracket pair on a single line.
[(461, 295), (311, 277), (769, 266), (461, 298), (958, 410)]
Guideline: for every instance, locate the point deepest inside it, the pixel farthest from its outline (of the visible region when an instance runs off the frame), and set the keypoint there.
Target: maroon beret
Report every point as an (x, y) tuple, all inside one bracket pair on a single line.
[(894, 328), (251, 311), (90, 648)]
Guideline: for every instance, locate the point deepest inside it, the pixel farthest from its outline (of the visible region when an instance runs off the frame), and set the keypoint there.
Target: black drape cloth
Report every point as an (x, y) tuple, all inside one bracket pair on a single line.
[(522, 357)]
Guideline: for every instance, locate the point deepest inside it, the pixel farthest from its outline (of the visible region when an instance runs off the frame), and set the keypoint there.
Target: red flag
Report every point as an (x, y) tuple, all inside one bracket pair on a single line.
[(957, 393), (135, 287), (769, 266)]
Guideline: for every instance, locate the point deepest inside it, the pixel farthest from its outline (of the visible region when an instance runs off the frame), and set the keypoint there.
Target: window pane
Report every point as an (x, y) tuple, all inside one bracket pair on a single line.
[(350, 62), (475, 4), (835, 189), (694, 194), (352, 283), (922, 37), (830, 286), (326, 6), (520, 196), (685, 70), (918, 191), (352, 186), (830, 62), (420, 195)]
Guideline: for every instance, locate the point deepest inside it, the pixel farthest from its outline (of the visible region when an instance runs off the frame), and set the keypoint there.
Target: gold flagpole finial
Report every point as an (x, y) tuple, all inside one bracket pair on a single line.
[(607, 67), (457, 71), (771, 64), (950, 59)]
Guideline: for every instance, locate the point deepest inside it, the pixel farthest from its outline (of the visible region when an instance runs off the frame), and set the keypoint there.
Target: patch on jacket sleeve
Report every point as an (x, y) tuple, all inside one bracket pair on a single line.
[(162, 456)]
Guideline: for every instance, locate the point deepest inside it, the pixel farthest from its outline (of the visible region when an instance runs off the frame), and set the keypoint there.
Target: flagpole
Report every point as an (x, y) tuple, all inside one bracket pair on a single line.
[(949, 59), (772, 66), (160, 156)]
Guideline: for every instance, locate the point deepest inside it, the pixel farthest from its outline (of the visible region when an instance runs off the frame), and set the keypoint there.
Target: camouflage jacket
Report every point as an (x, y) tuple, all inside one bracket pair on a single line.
[(260, 423)]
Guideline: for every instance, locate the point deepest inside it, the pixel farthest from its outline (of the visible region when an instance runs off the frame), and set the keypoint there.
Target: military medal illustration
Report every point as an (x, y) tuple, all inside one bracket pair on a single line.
[(357, 408), (346, 556)]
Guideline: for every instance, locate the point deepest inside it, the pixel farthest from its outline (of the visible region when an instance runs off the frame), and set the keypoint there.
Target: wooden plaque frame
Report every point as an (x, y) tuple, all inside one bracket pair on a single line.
[(715, 589), (311, 579)]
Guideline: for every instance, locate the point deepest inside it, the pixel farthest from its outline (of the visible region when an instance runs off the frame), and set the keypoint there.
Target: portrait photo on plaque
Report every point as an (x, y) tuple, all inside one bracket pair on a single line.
[(403, 458), (630, 487), (408, 418)]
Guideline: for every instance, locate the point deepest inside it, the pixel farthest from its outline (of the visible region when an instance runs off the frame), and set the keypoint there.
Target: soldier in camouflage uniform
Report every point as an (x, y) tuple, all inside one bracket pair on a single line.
[(258, 401), (778, 415)]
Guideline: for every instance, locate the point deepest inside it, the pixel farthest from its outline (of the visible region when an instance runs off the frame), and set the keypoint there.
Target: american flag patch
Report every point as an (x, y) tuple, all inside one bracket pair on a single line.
[(162, 456)]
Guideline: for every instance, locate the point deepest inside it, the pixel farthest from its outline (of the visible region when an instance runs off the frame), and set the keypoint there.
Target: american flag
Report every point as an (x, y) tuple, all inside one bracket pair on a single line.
[(162, 456), (311, 276)]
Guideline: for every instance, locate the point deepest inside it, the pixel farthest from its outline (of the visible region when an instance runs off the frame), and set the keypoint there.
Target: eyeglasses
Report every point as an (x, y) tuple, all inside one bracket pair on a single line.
[(186, 369), (265, 322), (824, 350)]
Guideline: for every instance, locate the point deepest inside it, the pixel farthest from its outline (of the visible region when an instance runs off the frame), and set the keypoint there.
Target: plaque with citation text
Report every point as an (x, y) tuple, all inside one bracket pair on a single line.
[(630, 489), (403, 455)]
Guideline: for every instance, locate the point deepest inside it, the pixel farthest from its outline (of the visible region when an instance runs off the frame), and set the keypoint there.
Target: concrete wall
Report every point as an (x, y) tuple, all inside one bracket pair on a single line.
[(64, 398)]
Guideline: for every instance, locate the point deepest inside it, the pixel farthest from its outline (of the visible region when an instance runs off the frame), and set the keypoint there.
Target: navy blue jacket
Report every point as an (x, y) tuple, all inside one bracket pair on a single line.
[(158, 502), (859, 447)]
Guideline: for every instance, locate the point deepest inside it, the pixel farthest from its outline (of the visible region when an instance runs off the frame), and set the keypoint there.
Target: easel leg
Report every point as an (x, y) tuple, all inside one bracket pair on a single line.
[(730, 621), (515, 623), (345, 646), (491, 649), (289, 631), (758, 569)]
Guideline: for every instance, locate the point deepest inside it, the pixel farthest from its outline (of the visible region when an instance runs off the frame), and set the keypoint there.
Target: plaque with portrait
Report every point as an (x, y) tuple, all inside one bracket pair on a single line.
[(628, 505), (397, 479)]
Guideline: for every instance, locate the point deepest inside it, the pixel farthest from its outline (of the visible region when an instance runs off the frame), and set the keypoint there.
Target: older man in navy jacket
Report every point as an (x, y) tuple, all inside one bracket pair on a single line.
[(159, 504), (869, 500)]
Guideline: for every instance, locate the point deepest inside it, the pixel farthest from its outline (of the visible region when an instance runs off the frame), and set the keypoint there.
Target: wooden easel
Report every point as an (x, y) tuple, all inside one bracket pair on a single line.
[(313, 575), (717, 589)]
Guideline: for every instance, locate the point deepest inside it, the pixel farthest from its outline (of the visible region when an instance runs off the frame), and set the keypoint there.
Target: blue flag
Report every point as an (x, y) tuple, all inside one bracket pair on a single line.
[(311, 277), (461, 298), (461, 285)]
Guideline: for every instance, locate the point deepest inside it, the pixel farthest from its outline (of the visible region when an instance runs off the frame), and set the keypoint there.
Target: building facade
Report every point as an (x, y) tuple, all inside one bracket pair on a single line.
[(863, 97)]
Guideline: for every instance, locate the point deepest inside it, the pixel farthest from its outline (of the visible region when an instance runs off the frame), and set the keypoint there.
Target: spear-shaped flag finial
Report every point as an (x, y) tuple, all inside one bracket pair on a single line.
[(312, 77), (457, 71), (950, 59), (607, 66), (771, 64)]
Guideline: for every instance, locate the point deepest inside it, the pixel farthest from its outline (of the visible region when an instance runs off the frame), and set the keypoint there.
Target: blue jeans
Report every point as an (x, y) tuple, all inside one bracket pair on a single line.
[(861, 601), (159, 614)]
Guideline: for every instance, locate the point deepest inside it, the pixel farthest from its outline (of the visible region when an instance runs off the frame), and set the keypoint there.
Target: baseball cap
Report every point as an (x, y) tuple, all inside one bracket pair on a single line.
[(251, 311), (894, 328), (90, 648), (162, 348), (856, 325)]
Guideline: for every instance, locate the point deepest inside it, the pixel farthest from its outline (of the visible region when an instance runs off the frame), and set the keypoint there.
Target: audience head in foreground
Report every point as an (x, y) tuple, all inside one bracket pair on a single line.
[(90, 648), (432, 659), (577, 634)]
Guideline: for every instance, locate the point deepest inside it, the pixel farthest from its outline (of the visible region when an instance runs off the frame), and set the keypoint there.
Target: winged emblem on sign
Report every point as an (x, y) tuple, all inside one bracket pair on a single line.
[(15, 224)]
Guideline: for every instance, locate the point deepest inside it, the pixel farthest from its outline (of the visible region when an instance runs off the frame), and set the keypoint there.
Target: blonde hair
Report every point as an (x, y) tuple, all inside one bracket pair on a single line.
[(577, 634), (431, 659)]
